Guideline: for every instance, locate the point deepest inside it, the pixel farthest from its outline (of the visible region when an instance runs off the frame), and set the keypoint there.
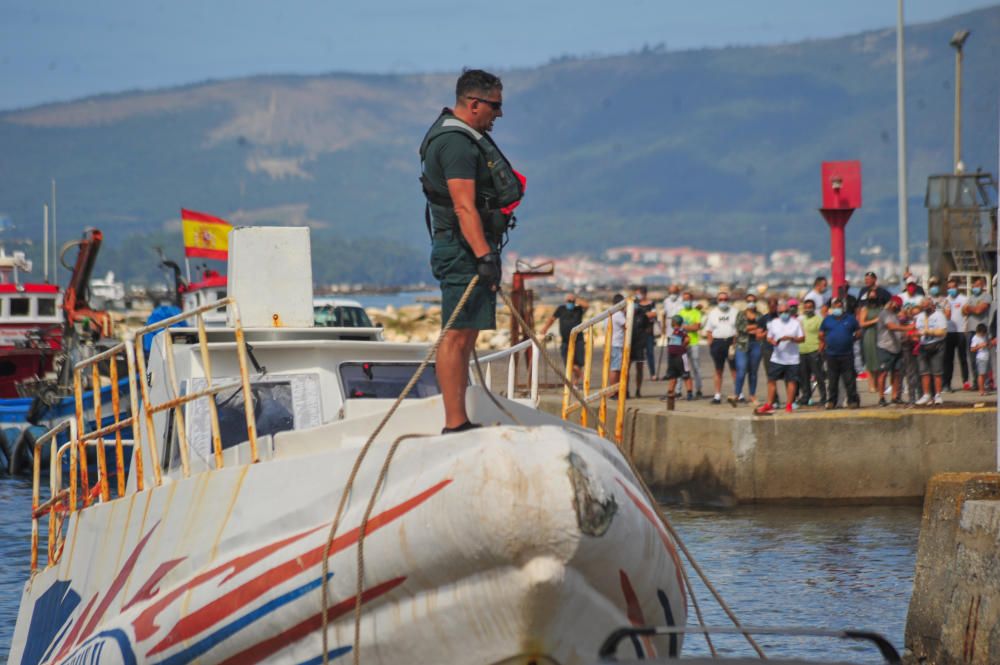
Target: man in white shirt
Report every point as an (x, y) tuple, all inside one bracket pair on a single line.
[(933, 328), (955, 341), (785, 334), (720, 330), (820, 295)]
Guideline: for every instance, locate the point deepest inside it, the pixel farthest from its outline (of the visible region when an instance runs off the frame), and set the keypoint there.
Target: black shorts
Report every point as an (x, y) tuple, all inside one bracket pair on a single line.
[(719, 350), (889, 361), (675, 368), (778, 372), (578, 350)]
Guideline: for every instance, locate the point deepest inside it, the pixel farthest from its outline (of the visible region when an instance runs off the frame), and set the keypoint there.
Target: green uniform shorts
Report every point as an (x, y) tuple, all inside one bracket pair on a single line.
[(454, 266)]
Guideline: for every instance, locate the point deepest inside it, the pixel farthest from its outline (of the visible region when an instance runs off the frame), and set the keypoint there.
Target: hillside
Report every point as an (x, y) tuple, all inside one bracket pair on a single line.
[(718, 148)]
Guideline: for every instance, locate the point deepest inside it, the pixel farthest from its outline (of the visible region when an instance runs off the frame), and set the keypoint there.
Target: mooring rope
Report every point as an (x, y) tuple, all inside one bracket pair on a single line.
[(648, 493), (395, 445)]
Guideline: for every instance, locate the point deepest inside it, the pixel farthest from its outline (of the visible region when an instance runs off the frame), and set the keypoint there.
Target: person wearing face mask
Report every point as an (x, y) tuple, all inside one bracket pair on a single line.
[(810, 362), (955, 341), (765, 346), (569, 315), (890, 331), (643, 341), (933, 327), (748, 349), (785, 334), (819, 294), (911, 349), (933, 290), (837, 333), (977, 312), (720, 329), (692, 324), (912, 293)]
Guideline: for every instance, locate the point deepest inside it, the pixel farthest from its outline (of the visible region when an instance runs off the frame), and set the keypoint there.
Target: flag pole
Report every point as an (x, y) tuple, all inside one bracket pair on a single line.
[(187, 266)]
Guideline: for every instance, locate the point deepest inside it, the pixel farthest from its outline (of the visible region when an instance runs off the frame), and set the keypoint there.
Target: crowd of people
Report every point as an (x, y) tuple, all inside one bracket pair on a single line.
[(813, 351)]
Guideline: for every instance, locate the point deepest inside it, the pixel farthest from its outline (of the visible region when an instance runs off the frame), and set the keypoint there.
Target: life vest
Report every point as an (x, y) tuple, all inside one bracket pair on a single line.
[(494, 203)]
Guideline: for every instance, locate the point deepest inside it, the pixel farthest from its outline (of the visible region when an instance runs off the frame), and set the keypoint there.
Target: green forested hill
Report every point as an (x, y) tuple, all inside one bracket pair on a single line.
[(707, 148)]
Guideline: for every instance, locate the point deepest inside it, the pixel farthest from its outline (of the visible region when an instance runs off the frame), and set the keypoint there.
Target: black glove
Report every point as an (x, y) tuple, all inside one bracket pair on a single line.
[(488, 269)]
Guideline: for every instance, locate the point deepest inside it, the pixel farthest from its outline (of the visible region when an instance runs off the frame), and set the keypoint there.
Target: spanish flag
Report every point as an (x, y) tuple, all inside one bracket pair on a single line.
[(205, 236)]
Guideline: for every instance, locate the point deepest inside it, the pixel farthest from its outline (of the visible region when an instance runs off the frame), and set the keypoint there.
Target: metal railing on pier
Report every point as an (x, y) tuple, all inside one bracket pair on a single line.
[(526, 348), (620, 387)]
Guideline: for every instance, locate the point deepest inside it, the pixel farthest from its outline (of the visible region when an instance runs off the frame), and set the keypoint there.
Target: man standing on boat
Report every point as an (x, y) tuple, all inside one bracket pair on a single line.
[(470, 189)]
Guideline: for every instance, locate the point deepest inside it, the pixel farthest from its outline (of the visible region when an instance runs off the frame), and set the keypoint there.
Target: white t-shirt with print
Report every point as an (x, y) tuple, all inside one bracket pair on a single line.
[(787, 352), (721, 324), (983, 353), (956, 320)]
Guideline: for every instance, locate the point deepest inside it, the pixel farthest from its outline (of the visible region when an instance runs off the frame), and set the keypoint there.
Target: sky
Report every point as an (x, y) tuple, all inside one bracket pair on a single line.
[(56, 50)]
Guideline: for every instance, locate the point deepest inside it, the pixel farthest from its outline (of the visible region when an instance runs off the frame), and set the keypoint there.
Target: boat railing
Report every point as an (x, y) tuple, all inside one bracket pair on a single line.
[(68, 500), (526, 348), (620, 387), (58, 497), (173, 385)]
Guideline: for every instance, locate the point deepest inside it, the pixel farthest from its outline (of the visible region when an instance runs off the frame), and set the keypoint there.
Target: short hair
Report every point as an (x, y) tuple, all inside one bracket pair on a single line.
[(952, 280), (818, 280), (641, 289), (982, 329), (837, 301), (476, 81), (809, 301), (617, 299)]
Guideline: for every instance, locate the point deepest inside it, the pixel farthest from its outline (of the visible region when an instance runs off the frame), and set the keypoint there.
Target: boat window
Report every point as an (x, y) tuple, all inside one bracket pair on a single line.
[(272, 409), (20, 306), (281, 402), (46, 307), (385, 380)]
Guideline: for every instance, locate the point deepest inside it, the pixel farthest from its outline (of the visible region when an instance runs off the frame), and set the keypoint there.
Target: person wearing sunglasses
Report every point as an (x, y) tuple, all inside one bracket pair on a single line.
[(471, 190)]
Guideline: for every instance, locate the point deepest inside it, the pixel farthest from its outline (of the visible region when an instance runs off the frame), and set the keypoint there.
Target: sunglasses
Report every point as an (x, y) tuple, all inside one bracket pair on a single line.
[(496, 106)]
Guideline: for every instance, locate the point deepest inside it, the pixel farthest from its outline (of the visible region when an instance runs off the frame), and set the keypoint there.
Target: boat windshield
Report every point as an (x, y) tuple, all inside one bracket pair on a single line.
[(381, 380)]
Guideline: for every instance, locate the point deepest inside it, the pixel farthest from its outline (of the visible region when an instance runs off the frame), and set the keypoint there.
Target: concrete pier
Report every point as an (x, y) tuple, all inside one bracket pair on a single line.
[(954, 614), (717, 455)]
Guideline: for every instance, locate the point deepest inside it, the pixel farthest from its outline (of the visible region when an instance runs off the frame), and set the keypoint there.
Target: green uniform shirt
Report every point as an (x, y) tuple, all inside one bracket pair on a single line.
[(810, 326), (691, 316), (453, 156)]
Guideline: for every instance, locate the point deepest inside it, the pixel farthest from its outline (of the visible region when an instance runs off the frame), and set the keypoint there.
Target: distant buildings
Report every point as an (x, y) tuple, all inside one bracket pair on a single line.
[(636, 264)]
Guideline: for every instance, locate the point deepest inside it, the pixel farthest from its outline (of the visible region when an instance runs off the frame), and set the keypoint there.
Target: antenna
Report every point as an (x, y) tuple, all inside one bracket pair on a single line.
[(45, 241)]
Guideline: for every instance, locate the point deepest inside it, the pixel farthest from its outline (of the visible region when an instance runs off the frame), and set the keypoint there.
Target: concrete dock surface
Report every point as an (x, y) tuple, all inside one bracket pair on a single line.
[(717, 454)]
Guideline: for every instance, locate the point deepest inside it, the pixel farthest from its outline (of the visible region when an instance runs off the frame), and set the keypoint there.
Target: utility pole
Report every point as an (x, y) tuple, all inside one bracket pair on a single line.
[(55, 243), (904, 232), (958, 42)]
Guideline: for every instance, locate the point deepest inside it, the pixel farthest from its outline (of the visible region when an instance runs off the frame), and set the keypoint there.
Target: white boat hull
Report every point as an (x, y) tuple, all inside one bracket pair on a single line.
[(520, 543)]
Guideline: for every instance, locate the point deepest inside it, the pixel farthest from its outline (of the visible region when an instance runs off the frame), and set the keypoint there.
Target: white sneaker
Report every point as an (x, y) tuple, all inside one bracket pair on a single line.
[(924, 400), (938, 399), (888, 390)]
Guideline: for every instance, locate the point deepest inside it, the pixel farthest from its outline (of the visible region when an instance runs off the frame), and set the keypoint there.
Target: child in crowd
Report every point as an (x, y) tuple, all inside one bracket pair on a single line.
[(677, 346), (980, 348)]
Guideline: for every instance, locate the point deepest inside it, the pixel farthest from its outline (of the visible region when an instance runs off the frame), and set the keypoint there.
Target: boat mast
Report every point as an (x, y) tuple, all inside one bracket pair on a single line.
[(45, 241)]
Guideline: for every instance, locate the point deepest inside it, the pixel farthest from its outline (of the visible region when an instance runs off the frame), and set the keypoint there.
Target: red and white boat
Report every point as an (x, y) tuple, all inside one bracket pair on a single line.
[(31, 324)]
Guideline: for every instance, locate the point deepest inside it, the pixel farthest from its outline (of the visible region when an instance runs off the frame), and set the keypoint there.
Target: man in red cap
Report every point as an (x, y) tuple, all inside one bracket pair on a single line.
[(889, 340)]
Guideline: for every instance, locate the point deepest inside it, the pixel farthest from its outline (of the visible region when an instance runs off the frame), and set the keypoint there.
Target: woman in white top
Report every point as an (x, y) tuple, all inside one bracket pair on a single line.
[(720, 330)]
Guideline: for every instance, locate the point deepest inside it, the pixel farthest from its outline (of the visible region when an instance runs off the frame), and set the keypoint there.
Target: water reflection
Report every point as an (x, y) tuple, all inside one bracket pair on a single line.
[(817, 567)]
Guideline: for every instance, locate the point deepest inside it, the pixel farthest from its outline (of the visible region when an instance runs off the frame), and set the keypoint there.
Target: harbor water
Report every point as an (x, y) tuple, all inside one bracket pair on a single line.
[(777, 566)]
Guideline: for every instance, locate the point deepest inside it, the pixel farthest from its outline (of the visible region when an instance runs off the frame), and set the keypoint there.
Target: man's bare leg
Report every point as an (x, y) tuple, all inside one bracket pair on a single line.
[(452, 369)]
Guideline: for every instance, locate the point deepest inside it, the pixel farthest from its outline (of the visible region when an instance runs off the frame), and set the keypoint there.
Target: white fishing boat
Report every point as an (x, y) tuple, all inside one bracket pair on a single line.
[(527, 541)]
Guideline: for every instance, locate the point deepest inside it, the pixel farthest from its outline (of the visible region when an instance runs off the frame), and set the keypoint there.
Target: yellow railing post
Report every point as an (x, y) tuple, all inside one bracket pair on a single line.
[(570, 351), (134, 408), (587, 364), (116, 407), (602, 414), (82, 464), (626, 361), (102, 461)]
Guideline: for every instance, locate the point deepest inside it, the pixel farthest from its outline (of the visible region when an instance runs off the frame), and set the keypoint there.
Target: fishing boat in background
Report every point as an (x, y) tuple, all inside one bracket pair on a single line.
[(44, 330), (528, 540)]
